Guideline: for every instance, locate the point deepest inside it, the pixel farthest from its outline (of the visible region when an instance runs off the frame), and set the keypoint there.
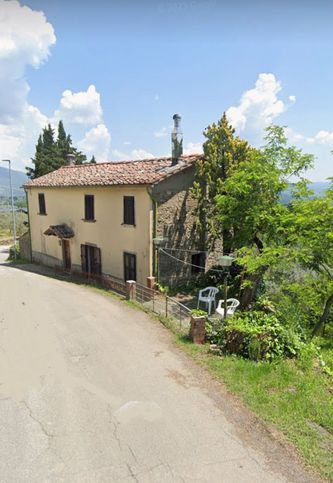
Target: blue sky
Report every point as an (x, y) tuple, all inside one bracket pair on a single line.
[(144, 61)]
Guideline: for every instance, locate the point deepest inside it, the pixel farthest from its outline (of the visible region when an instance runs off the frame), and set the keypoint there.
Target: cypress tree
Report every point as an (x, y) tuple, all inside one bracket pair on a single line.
[(50, 154)]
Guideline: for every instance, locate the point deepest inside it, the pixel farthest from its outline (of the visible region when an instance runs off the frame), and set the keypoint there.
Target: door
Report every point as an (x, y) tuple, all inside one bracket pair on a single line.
[(91, 260), (66, 254), (129, 266)]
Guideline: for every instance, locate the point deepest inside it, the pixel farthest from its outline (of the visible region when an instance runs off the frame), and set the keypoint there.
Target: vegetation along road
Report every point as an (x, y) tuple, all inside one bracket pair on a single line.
[(93, 390)]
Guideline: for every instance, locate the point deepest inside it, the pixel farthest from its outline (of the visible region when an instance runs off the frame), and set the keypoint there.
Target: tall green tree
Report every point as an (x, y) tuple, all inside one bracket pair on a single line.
[(223, 151), (51, 154)]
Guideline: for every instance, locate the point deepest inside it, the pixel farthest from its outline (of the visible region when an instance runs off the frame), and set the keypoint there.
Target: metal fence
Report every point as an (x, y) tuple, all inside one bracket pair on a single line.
[(149, 298), (164, 305), (106, 281)]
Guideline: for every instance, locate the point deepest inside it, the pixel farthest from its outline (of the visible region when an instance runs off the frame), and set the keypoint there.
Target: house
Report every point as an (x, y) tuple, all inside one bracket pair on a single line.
[(108, 218)]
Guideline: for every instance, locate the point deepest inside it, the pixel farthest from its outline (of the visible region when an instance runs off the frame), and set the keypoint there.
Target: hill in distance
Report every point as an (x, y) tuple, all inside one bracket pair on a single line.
[(18, 179), (319, 188)]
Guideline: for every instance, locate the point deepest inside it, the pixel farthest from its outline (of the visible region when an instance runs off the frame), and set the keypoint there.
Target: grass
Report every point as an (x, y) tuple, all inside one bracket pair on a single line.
[(297, 400)]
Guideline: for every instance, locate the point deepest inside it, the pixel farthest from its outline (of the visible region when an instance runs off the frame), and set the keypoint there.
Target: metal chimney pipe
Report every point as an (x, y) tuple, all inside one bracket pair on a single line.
[(176, 140)]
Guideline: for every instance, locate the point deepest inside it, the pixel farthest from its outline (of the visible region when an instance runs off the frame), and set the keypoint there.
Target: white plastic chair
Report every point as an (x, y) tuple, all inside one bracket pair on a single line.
[(232, 305), (207, 296)]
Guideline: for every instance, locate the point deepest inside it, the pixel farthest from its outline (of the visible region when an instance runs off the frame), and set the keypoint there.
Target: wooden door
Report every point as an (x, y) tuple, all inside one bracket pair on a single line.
[(91, 260), (66, 254)]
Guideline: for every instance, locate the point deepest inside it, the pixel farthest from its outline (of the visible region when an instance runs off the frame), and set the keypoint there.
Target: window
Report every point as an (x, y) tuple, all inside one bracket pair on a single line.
[(41, 202), (129, 215), (89, 209), (129, 266), (198, 260)]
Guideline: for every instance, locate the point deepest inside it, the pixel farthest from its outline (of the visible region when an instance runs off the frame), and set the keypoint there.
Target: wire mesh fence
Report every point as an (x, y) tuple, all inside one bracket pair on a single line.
[(164, 305)]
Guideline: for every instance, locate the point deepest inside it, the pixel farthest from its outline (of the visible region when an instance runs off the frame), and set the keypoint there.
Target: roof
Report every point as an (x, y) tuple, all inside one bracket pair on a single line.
[(61, 231), (143, 172)]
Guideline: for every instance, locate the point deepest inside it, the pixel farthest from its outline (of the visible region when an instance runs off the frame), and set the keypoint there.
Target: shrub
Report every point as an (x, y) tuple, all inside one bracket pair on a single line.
[(215, 332), (12, 251), (258, 336)]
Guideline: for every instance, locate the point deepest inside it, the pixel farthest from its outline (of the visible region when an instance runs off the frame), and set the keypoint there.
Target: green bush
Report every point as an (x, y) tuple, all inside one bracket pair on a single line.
[(12, 251), (198, 313), (258, 336), (215, 332)]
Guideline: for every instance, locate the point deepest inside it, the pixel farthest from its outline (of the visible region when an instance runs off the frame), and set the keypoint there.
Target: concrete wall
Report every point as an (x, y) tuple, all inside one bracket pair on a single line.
[(66, 205), (25, 247)]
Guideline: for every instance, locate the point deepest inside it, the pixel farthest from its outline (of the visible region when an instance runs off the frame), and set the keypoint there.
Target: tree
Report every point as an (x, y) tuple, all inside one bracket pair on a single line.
[(93, 160), (50, 154), (223, 151), (249, 208), (309, 228)]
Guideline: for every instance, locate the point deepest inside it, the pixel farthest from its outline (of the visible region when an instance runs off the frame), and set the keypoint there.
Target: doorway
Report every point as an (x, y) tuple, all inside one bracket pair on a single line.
[(91, 260), (129, 266), (66, 254)]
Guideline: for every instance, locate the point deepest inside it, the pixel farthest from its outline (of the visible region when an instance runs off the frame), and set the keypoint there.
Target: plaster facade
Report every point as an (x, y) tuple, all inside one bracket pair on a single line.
[(107, 231)]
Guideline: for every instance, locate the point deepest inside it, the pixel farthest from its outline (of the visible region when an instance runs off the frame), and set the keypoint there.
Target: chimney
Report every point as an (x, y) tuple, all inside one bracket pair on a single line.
[(176, 140), (70, 159)]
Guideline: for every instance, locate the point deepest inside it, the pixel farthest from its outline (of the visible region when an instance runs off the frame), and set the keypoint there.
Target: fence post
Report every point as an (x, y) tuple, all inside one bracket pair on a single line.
[(151, 282), (130, 289)]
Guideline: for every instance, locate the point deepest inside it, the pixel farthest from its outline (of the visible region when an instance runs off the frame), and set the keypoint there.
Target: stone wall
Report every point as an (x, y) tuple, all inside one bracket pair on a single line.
[(176, 223), (25, 246)]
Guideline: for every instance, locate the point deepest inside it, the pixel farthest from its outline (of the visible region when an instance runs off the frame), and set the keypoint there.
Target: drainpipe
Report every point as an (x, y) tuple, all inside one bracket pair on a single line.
[(154, 234), (27, 201)]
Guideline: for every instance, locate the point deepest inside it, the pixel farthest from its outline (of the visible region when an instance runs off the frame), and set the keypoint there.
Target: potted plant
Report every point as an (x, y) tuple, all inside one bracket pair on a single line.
[(198, 326)]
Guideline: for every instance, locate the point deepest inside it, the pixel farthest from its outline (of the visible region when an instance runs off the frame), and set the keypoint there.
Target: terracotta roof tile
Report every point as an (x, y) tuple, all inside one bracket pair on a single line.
[(146, 171)]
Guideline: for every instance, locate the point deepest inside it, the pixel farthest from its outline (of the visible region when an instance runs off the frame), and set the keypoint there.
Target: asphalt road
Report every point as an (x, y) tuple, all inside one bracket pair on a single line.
[(92, 390)]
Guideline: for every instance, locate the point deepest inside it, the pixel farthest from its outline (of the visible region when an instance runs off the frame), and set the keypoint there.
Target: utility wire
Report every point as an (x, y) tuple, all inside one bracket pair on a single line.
[(188, 263)]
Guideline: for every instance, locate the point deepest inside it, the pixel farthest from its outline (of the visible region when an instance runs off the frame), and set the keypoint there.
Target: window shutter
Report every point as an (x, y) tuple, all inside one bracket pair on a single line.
[(129, 215), (41, 202), (89, 211)]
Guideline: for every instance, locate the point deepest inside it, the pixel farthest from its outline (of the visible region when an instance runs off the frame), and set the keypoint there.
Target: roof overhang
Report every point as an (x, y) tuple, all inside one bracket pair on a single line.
[(61, 231)]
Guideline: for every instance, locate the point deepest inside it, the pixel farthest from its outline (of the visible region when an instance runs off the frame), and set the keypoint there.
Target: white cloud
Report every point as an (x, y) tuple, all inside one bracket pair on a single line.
[(25, 37), (141, 154), (258, 106), (193, 148), (134, 155), (80, 107), (161, 133), (96, 142), (25, 40), (292, 98), (322, 137)]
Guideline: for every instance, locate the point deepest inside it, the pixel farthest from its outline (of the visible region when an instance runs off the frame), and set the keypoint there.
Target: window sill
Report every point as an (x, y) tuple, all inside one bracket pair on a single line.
[(42, 214), (128, 225), (89, 221)]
